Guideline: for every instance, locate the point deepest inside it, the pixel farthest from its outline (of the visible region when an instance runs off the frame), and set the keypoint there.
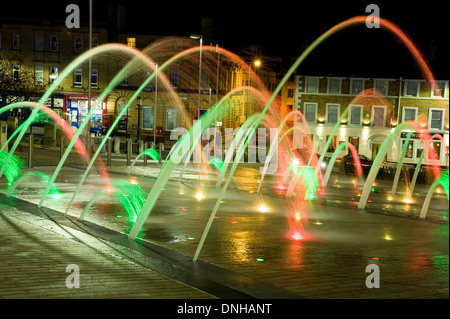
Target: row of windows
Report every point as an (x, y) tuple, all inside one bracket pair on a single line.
[(410, 87), (147, 117), (413, 151), (53, 74), (378, 115), (54, 44)]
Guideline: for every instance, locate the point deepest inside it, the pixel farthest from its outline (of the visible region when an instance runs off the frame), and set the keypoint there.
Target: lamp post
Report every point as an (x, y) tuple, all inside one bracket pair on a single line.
[(156, 101), (88, 136), (256, 64), (139, 117), (199, 37)]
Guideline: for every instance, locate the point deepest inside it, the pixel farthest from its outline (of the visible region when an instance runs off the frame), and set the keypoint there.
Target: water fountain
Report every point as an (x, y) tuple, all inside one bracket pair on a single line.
[(139, 204)]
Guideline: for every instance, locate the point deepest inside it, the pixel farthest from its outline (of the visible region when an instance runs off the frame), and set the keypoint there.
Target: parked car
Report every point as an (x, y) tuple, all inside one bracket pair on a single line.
[(349, 165)]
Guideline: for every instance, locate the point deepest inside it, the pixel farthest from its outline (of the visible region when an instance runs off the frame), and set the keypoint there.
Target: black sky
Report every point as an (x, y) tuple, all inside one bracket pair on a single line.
[(286, 28)]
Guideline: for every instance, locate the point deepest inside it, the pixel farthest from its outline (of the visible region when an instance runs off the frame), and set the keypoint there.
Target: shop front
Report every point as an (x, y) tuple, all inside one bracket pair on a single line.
[(76, 108)]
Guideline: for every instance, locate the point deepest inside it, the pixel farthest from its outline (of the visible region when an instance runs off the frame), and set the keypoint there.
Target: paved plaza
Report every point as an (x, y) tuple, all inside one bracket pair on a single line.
[(248, 253)]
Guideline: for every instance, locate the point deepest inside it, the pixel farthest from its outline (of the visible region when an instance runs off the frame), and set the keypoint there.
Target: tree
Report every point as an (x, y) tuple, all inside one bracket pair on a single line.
[(19, 82)]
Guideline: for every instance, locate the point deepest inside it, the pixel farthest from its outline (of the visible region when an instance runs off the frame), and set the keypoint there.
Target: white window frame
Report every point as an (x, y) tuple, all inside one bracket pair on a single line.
[(315, 111), (415, 108), (386, 90), (144, 108), (39, 75), (120, 107), (427, 149), (16, 41), (411, 140), (444, 92), (431, 109), (329, 86), (405, 88), (39, 39), (54, 41), (372, 118), (79, 72), (338, 112), (307, 82), (349, 121), (52, 75), (362, 86), (78, 45), (94, 84), (171, 109), (16, 68)]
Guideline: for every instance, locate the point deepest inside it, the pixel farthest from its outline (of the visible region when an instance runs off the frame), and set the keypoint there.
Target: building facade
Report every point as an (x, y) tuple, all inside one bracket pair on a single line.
[(366, 110)]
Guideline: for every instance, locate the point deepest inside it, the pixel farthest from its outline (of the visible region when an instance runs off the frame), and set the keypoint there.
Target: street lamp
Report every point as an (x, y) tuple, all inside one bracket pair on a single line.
[(256, 64), (199, 37)]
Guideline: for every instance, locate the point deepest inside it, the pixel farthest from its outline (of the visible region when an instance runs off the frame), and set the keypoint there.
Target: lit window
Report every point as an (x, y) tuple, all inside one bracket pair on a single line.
[(434, 152), (354, 140), (409, 148), (172, 118), (378, 116), (53, 74), (147, 117), (16, 72), (39, 75), (131, 42)]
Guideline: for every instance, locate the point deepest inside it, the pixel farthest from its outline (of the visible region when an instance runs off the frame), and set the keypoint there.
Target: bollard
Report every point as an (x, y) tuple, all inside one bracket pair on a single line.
[(108, 161), (30, 151), (161, 149), (61, 147), (140, 144), (117, 145), (129, 152), (145, 156)]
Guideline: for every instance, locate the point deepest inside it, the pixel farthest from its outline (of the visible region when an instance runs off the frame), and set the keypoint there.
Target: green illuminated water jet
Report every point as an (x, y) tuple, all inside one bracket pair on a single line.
[(12, 166), (35, 177)]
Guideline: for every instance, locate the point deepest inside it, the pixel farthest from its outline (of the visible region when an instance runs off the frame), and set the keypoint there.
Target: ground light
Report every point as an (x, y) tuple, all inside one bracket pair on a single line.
[(262, 208), (199, 195)]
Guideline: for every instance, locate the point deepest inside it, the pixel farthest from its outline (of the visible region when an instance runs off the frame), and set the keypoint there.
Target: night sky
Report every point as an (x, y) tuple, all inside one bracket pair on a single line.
[(285, 28)]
